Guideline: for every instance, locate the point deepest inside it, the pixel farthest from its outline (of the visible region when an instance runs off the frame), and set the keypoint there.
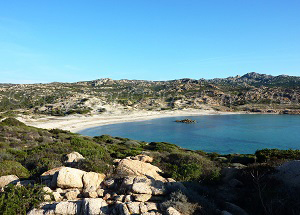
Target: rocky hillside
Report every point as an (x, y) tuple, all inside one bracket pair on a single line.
[(58, 172), (250, 92)]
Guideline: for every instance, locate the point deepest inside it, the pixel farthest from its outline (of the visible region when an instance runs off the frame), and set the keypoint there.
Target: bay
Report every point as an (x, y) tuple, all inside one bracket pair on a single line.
[(224, 134)]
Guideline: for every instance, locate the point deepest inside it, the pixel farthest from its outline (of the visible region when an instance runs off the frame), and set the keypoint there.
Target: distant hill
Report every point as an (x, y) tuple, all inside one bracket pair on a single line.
[(250, 92)]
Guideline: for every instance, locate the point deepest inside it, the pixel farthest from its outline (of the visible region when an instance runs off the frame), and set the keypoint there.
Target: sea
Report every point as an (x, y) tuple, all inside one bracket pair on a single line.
[(224, 134)]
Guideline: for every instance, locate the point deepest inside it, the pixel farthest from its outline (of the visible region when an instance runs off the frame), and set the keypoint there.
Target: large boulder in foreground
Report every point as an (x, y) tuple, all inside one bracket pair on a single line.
[(94, 206), (8, 179), (129, 167), (289, 173), (50, 177), (92, 179), (70, 178)]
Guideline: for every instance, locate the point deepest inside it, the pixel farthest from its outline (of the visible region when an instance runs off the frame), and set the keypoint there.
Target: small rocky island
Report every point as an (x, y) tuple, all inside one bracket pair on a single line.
[(188, 121)]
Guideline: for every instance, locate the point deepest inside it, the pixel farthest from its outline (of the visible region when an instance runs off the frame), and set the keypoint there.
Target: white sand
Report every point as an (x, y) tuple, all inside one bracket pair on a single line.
[(77, 123)]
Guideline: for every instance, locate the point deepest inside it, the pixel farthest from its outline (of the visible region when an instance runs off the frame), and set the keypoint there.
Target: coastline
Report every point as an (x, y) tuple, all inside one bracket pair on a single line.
[(76, 123)]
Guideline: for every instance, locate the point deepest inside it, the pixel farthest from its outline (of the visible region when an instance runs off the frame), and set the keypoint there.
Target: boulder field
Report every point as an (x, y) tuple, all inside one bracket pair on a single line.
[(136, 187)]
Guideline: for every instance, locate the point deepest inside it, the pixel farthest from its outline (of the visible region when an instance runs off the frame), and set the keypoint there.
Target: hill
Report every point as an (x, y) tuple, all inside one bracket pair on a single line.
[(251, 92)]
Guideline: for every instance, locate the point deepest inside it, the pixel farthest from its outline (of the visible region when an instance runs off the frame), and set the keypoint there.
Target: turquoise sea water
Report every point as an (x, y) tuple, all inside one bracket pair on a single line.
[(214, 133)]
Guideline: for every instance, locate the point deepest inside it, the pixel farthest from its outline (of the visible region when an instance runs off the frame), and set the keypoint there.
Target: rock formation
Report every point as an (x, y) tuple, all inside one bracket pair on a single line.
[(135, 188)]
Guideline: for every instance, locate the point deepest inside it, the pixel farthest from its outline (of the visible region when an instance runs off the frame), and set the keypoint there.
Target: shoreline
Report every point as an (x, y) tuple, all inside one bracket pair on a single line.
[(77, 123)]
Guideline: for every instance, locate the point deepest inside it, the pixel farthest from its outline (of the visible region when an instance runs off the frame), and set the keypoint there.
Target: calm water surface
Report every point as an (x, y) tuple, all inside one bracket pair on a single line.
[(215, 133)]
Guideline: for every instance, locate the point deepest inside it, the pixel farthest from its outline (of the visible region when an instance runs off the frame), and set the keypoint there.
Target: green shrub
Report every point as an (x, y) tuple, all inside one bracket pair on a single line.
[(162, 146), (277, 154), (4, 155), (12, 122), (95, 165), (189, 166), (242, 159), (18, 154), (184, 172), (79, 111), (104, 138), (181, 203), (57, 131), (19, 199), (13, 168)]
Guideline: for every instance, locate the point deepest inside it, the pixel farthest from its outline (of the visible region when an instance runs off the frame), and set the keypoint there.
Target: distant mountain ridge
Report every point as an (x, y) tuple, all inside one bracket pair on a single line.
[(250, 92)]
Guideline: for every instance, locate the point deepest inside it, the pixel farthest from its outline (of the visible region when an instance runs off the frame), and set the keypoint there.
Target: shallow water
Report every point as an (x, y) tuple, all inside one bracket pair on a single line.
[(224, 134)]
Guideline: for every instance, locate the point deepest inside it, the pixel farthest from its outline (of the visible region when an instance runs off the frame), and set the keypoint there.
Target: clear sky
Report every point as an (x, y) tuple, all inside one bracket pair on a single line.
[(72, 40)]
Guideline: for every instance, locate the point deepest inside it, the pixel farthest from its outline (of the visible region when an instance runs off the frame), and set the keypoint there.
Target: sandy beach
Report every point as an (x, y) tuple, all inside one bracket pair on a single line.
[(76, 123)]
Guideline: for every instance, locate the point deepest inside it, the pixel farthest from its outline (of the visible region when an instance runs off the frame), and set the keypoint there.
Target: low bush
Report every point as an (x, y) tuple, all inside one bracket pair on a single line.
[(11, 122), (162, 147), (277, 154), (19, 199), (181, 203), (189, 166), (79, 111), (13, 168)]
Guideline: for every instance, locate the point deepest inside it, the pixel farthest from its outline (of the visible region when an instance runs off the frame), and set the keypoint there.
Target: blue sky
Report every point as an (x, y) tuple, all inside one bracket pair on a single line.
[(72, 40)]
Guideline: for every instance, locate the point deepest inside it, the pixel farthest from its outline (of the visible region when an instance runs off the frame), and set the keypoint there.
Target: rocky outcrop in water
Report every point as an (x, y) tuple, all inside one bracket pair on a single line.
[(187, 121)]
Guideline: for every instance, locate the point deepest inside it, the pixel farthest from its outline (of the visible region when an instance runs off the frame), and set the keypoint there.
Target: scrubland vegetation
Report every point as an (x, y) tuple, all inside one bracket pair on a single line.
[(28, 152)]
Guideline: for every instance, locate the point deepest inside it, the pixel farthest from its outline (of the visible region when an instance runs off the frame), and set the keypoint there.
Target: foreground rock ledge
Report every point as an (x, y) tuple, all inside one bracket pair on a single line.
[(135, 188)]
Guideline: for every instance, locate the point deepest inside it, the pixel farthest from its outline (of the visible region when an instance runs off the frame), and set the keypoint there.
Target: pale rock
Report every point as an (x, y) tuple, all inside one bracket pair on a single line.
[(50, 177), (116, 160), (127, 182), (143, 207), (142, 197), (68, 208), (141, 188), (47, 190), (50, 173), (109, 182), (70, 178), (127, 167), (74, 157), (110, 202), (92, 179), (36, 211), (59, 190), (72, 194), (128, 198), (149, 213), (142, 179), (151, 206), (158, 188), (47, 198), (57, 196), (94, 207), (172, 211), (170, 180), (134, 207), (100, 192), (143, 158), (107, 196), (124, 210), (8, 179), (92, 194)]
